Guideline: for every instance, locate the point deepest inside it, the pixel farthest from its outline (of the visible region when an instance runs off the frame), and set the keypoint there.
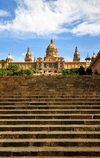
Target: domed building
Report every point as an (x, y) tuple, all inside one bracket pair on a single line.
[(9, 58), (51, 50), (52, 63)]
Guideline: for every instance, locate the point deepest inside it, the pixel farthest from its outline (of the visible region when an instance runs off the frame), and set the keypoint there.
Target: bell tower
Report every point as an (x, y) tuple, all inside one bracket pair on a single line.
[(76, 55), (28, 57)]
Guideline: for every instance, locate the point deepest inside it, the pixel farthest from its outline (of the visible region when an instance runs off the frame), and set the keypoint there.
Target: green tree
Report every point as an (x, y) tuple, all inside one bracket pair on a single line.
[(81, 70), (88, 71)]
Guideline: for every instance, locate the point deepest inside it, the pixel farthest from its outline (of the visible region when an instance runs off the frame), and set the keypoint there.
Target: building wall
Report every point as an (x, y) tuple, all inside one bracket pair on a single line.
[(51, 66), (70, 65), (96, 67), (25, 65)]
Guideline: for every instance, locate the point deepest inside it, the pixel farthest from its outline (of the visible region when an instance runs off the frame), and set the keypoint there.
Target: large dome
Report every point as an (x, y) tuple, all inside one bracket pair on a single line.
[(51, 50)]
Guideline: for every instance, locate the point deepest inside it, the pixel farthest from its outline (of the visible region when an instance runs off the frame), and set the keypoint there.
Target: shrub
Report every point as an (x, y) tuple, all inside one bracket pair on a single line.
[(88, 71), (3, 72), (13, 67), (22, 72), (70, 72), (81, 70)]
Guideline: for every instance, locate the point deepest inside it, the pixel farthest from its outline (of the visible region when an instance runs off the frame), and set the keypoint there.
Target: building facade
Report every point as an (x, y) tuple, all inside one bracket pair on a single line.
[(52, 63), (95, 64)]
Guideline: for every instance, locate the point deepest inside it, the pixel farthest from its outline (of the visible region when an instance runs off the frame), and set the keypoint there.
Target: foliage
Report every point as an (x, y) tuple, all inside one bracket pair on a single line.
[(13, 67), (81, 70), (70, 72), (35, 71), (96, 72), (3, 72), (88, 71), (76, 71)]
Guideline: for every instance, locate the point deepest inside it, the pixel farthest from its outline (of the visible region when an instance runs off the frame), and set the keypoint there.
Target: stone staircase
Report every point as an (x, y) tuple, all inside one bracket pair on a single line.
[(50, 117)]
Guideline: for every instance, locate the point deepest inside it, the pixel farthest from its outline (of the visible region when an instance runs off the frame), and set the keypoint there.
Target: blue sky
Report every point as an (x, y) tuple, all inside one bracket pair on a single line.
[(32, 23)]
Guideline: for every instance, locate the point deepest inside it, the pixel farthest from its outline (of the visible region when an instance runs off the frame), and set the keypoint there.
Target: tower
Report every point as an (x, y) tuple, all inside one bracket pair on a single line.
[(76, 55), (28, 57)]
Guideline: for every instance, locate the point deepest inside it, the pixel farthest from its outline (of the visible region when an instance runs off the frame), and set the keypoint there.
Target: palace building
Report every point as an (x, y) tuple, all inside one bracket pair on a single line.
[(52, 63)]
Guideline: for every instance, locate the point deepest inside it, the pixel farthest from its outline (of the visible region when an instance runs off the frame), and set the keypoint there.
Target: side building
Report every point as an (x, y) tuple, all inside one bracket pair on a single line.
[(52, 63)]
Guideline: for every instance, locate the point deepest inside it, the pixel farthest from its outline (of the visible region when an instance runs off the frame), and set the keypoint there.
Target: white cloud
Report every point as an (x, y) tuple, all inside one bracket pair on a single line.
[(87, 28), (23, 54), (43, 18), (4, 13)]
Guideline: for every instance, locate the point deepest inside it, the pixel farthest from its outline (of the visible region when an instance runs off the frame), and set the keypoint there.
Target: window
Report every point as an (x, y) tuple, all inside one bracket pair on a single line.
[(50, 65), (45, 65), (55, 66)]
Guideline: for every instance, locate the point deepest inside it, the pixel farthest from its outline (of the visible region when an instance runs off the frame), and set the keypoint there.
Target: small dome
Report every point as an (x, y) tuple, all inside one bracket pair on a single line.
[(87, 58), (9, 57), (94, 55)]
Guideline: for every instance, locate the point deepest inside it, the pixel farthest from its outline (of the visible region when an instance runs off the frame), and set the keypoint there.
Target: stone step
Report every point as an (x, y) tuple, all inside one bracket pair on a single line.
[(51, 111), (51, 157), (49, 116), (52, 103), (61, 90), (49, 135), (50, 121), (48, 96), (49, 107), (49, 100), (49, 92), (50, 142), (49, 127), (67, 91), (50, 151)]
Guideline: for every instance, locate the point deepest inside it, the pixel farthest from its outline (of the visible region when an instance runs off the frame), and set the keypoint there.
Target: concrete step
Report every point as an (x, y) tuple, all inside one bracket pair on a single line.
[(50, 107), (51, 157), (50, 142), (3, 100), (52, 96), (51, 103), (50, 121), (50, 151), (60, 93), (23, 127), (51, 111), (49, 134), (49, 116)]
